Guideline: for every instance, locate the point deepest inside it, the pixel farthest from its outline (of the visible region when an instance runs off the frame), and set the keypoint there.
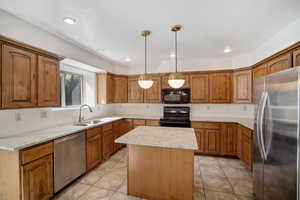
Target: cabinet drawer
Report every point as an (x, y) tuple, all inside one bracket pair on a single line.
[(139, 122), (206, 125), (107, 132), (93, 132), (152, 123), (107, 127), (34, 153)]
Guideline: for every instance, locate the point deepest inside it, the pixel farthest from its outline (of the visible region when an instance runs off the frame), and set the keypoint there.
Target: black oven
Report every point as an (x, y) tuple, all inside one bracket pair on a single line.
[(176, 96)]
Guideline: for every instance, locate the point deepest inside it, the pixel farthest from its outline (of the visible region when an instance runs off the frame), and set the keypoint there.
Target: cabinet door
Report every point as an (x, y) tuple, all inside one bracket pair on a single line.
[(116, 133), (280, 63), (120, 86), (220, 87), (260, 71), (19, 72), (93, 148), (48, 82), (37, 179), (212, 142), (296, 58), (139, 122), (239, 141), (153, 94), (165, 83), (110, 89), (152, 122), (126, 125), (200, 139), (247, 150), (199, 88), (135, 92), (229, 139), (242, 84), (108, 143)]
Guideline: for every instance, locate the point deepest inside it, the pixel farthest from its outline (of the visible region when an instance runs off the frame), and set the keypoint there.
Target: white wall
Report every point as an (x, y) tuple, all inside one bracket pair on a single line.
[(197, 110)]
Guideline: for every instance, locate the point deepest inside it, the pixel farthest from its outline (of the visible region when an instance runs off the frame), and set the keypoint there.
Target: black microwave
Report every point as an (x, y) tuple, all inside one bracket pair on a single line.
[(176, 96)]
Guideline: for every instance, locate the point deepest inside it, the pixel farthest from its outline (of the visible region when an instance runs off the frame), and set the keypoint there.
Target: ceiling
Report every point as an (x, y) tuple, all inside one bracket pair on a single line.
[(114, 26)]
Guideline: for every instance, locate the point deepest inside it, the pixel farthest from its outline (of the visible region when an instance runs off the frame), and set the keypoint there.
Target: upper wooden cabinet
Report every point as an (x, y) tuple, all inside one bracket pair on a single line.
[(220, 85), (165, 83), (135, 92), (199, 88), (281, 63), (153, 94), (19, 78), (296, 58), (105, 88), (29, 76), (120, 89), (48, 82), (260, 71), (242, 86)]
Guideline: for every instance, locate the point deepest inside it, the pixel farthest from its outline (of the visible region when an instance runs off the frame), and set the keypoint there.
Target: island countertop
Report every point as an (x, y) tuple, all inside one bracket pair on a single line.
[(166, 137)]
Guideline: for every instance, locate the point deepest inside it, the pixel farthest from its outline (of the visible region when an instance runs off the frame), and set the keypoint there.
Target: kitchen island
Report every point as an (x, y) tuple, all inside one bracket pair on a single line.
[(160, 162)]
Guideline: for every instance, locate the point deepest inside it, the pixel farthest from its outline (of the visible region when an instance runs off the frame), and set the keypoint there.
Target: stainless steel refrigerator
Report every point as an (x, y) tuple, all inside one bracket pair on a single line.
[(276, 143)]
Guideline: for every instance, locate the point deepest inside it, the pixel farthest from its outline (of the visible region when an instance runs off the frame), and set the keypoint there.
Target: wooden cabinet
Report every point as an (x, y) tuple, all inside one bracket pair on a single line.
[(120, 87), (281, 63), (138, 122), (296, 58), (108, 140), (37, 179), (242, 86), (135, 92), (199, 88), (152, 122), (153, 94), (208, 137), (259, 71), (165, 83), (117, 133), (48, 82), (229, 139), (239, 141), (105, 88), (220, 87), (93, 147), (245, 145), (126, 125), (19, 73)]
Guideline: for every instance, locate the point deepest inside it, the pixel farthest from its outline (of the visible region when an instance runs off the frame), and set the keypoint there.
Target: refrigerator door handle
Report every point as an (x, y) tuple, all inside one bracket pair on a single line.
[(264, 102), (258, 125)]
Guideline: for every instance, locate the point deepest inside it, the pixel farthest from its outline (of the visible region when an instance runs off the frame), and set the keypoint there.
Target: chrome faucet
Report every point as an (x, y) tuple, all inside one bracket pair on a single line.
[(80, 111)]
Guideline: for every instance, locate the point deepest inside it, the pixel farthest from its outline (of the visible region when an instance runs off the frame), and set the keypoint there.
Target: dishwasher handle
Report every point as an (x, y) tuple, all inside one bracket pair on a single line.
[(67, 138)]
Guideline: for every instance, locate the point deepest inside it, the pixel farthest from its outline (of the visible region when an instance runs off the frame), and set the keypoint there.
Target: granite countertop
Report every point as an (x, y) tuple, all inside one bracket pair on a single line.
[(166, 137), (23, 140)]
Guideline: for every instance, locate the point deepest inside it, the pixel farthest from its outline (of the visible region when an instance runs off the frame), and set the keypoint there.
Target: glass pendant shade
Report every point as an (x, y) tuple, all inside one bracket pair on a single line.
[(145, 81), (176, 80)]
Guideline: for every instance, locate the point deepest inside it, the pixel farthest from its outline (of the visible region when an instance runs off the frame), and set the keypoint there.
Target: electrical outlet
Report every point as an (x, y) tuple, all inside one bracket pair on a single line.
[(18, 116), (44, 114), (207, 107), (245, 108)]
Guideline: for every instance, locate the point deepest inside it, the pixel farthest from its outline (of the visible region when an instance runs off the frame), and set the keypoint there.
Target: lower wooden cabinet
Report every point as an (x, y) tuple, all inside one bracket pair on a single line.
[(37, 179), (152, 122), (138, 122), (117, 133), (245, 145), (93, 147), (108, 140), (229, 139)]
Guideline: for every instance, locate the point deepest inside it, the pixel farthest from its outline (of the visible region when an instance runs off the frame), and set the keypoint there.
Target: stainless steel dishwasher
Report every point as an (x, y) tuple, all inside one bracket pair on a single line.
[(69, 159)]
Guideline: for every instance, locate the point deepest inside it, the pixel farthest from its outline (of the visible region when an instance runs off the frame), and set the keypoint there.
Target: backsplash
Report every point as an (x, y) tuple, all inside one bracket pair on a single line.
[(197, 110), (25, 120)]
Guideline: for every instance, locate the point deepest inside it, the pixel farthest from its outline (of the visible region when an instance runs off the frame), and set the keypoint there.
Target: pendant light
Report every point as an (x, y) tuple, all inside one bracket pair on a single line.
[(176, 80), (145, 81)]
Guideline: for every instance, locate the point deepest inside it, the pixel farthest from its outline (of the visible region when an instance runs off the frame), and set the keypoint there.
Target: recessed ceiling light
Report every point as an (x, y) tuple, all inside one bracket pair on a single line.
[(172, 55), (127, 59), (69, 20), (227, 50)]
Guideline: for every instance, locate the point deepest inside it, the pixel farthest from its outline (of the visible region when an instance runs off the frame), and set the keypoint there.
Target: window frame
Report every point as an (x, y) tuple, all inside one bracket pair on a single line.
[(63, 92)]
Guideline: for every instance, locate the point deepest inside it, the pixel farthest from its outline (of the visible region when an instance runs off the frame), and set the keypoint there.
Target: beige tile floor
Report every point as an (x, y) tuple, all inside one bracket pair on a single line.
[(215, 178)]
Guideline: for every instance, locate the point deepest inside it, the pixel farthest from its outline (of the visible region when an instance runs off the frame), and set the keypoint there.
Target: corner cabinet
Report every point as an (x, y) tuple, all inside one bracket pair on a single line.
[(30, 76), (48, 82), (296, 58), (220, 87), (242, 86)]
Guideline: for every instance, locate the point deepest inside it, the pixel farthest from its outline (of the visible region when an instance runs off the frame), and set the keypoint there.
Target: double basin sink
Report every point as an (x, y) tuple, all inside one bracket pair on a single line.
[(88, 123)]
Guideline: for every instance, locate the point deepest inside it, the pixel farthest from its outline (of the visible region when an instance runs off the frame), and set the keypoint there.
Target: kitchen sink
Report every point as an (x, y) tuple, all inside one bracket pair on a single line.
[(92, 122), (81, 124)]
